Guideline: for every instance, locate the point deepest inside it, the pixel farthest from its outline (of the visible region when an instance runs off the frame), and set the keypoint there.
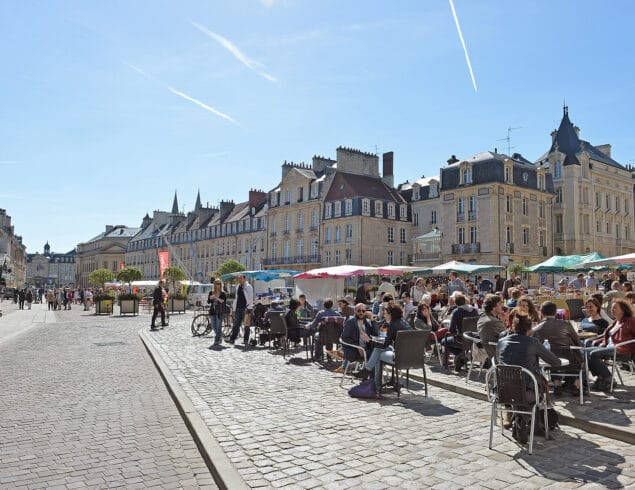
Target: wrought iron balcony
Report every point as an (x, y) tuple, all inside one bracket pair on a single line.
[(466, 248), (298, 259), (424, 256)]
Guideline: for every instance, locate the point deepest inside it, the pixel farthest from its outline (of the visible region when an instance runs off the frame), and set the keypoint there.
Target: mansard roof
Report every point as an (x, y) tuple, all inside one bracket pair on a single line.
[(345, 185)]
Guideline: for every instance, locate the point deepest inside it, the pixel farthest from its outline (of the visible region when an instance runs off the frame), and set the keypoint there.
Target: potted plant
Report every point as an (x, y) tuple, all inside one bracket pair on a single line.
[(176, 300), (103, 303), (129, 302)]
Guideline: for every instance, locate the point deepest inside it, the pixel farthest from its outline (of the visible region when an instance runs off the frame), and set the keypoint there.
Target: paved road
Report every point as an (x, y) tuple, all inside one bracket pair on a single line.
[(82, 405), (289, 424)]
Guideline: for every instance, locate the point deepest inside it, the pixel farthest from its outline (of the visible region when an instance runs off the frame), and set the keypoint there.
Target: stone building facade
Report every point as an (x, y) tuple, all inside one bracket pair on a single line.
[(104, 251), (51, 269), (593, 204), (12, 254)]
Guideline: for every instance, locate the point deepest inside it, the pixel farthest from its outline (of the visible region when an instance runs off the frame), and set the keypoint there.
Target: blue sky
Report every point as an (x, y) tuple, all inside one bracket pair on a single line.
[(107, 108)]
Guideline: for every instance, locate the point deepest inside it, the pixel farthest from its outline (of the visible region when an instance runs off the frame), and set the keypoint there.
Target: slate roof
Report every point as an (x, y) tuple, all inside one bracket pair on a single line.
[(345, 185), (568, 143)]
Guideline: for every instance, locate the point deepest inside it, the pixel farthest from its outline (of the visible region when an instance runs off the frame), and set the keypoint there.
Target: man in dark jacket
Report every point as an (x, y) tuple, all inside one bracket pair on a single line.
[(158, 297), (454, 341), (357, 331)]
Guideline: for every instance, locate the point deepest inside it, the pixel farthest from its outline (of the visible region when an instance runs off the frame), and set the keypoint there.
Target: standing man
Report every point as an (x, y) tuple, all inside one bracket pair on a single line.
[(158, 296), (456, 284), (512, 282), (242, 303)]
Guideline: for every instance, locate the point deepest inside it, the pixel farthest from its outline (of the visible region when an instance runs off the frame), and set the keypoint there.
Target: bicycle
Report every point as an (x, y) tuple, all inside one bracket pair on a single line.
[(202, 324)]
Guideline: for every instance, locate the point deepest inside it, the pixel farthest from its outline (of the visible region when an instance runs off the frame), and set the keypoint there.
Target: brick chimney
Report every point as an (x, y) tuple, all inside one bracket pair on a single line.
[(387, 171), (257, 197)]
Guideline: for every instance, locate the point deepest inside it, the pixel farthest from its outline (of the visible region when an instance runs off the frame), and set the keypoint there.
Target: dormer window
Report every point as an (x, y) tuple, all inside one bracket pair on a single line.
[(466, 175), (327, 210), (403, 211), (508, 174), (379, 208), (557, 170), (348, 209), (366, 207), (434, 189), (415, 193), (391, 210), (541, 182), (338, 209)]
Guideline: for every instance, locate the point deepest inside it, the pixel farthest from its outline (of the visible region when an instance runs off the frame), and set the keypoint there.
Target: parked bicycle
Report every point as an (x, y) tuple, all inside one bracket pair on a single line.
[(202, 323)]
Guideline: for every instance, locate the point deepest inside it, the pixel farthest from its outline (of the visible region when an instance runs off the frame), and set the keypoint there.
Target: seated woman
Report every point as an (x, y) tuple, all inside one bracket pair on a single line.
[(295, 331), (527, 306), (385, 352), (594, 322), (621, 330), (425, 321)]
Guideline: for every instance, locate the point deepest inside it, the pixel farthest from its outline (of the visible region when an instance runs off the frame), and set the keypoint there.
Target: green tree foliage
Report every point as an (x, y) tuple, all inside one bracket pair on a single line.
[(173, 275), (99, 277), (229, 267), (130, 274)]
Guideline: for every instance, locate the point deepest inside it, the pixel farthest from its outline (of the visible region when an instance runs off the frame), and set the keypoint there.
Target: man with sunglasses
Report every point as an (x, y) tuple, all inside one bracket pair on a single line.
[(357, 331)]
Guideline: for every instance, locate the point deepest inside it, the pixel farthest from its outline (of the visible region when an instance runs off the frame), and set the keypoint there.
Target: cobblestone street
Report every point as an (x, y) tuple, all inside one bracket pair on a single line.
[(290, 424), (82, 406)]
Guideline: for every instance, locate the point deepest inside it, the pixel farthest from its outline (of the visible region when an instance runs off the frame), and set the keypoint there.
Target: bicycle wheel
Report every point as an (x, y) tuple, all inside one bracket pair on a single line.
[(227, 326), (201, 325)]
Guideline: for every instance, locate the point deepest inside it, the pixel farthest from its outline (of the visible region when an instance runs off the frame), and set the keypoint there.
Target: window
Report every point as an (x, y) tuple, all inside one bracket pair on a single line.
[(460, 235), (433, 217), (585, 224), (467, 175), (415, 193), (338, 209), (473, 237), (508, 174), (541, 238), (558, 194), (617, 231), (627, 232), (327, 258), (434, 189), (627, 206), (391, 234), (287, 197), (287, 223), (608, 227), (314, 219), (274, 250), (366, 207), (300, 220), (300, 247), (402, 258), (391, 210), (557, 170), (338, 234), (584, 198), (390, 258), (287, 249), (598, 200), (327, 210), (472, 204), (327, 235), (617, 204), (525, 206), (349, 232), (525, 236), (314, 248), (348, 207), (460, 205), (558, 223), (541, 210), (300, 194), (598, 227), (403, 211), (349, 255), (415, 219), (608, 202), (509, 234), (508, 204), (337, 257), (541, 182), (402, 235), (315, 188), (379, 209)]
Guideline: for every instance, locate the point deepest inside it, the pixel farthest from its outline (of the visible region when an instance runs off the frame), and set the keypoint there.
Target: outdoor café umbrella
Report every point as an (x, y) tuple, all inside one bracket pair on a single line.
[(261, 275), (337, 271), (396, 270), (626, 259), (461, 268), (562, 263)]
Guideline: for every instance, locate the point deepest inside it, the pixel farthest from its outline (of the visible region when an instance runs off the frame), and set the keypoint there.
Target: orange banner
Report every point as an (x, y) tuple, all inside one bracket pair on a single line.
[(164, 262), (121, 266)]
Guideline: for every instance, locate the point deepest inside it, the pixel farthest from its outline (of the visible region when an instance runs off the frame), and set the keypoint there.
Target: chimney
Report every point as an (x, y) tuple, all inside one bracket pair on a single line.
[(320, 163), (453, 159), (225, 208), (606, 149), (387, 170), (146, 221), (109, 228), (257, 197)]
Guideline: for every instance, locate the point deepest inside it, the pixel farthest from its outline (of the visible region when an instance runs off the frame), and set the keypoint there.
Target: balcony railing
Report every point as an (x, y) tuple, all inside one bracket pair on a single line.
[(424, 256), (298, 259), (460, 216), (466, 248)]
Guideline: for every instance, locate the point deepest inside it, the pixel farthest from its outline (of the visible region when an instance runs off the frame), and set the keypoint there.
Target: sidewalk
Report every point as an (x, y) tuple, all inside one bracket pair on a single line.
[(14, 322), (288, 423)]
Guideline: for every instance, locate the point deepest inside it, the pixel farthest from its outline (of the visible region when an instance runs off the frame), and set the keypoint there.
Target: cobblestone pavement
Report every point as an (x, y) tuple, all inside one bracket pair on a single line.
[(288, 423), (82, 406)]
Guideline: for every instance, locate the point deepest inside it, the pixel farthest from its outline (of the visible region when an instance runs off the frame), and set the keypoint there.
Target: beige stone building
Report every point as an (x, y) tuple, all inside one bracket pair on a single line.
[(490, 209), (105, 251), (338, 212), (593, 204), (51, 269), (12, 254)]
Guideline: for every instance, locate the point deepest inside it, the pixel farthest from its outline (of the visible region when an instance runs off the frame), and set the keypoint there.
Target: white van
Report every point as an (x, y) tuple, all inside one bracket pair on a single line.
[(197, 294)]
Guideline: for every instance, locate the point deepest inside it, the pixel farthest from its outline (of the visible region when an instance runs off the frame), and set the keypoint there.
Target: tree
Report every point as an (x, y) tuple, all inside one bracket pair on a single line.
[(517, 268), (130, 274), (229, 267), (99, 277), (174, 274)]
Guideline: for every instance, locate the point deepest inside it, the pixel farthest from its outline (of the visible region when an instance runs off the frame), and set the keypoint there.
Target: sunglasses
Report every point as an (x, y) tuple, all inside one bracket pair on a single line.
[(360, 311)]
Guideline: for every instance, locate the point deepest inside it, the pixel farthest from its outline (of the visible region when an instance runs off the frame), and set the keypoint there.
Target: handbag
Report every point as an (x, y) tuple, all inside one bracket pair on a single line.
[(366, 389), (247, 319)]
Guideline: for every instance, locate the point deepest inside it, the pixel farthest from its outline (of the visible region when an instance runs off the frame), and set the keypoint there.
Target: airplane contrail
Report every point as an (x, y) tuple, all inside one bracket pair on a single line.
[(467, 56), (203, 105), (233, 49)]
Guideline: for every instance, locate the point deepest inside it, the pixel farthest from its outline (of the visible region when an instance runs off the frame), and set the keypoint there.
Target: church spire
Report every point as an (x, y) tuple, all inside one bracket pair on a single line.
[(198, 204), (175, 205)]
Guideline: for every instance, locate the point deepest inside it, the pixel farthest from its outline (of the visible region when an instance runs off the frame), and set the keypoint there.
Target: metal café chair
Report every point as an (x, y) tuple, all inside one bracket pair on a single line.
[(359, 364), (575, 369), (472, 345), (409, 354), (278, 330)]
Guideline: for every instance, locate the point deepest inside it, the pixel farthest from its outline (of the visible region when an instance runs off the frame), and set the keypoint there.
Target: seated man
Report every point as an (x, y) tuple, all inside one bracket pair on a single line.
[(453, 341), (578, 283), (321, 316), (559, 333), (357, 331), (491, 322)]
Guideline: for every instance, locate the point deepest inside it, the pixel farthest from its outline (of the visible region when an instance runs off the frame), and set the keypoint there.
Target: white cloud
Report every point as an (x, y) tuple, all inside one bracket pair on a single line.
[(203, 105), (267, 3), (467, 56), (236, 52)]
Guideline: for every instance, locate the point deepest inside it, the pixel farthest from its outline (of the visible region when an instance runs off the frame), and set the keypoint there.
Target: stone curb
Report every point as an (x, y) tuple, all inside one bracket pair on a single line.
[(225, 475), (606, 430)]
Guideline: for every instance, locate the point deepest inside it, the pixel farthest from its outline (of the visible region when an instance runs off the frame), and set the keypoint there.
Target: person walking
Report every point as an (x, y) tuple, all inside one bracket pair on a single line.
[(242, 303), (21, 298), (50, 299), (217, 300), (158, 297), (29, 298)]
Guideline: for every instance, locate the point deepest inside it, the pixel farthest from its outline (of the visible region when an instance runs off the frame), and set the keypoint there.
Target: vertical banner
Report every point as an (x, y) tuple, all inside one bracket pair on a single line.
[(121, 266), (164, 262)]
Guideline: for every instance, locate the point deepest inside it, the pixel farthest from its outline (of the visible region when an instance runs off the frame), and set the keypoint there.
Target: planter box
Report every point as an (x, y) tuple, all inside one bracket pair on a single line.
[(176, 305), (128, 306), (103, 307)]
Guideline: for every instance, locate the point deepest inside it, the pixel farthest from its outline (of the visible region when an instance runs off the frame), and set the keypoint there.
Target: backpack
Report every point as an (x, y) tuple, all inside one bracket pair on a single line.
[(366, 389), (552, 420), (521, 424)]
